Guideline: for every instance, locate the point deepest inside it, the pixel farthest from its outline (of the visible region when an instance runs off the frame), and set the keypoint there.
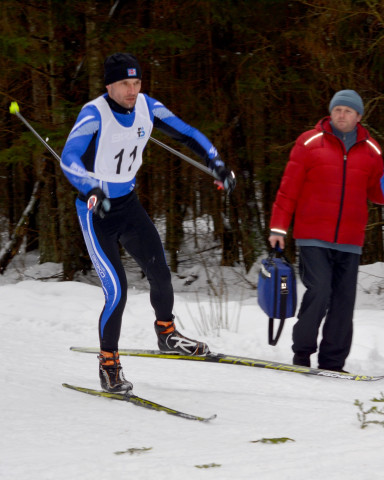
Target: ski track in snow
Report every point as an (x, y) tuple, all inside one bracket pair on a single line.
[(49, 432)]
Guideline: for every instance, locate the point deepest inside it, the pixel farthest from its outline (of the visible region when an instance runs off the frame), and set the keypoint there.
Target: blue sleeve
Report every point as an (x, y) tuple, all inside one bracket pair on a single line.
[(165, 121), (85, 129)]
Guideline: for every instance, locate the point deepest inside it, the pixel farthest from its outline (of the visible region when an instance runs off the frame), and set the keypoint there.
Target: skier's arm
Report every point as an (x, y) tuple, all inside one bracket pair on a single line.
[(165, 121), (168, 123), (82, 137)]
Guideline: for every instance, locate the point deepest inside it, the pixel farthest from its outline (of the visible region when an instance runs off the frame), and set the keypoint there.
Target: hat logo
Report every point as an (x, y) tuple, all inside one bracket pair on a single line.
[(131, 72)]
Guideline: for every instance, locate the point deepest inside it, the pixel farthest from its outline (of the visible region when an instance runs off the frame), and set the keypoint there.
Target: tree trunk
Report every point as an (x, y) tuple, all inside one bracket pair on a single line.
[(11, 248)]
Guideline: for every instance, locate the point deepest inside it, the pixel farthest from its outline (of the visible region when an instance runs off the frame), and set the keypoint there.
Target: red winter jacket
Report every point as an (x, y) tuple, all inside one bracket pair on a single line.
[(327, 188)]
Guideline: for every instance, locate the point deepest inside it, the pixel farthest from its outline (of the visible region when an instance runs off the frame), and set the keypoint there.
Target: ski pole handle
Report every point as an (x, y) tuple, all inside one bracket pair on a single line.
[(14, 109)]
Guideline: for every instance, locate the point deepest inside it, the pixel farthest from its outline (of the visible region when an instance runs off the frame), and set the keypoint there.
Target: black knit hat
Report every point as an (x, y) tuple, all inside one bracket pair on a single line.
[(120, 66)]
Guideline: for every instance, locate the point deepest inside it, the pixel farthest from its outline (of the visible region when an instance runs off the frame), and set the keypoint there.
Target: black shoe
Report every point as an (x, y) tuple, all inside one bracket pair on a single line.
[(111, 373), (172, 341), (301, 360)]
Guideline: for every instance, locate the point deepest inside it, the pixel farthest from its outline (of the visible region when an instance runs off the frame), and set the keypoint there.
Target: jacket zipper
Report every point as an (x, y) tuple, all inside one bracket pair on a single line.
[(344, 178), (342, 198)]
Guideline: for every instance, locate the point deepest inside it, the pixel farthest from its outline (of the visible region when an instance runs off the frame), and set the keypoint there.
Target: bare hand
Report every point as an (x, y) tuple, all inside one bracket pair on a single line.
[(274, 239)]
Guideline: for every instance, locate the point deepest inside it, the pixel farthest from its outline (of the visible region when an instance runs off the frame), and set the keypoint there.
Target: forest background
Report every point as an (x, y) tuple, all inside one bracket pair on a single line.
[(250, 74)]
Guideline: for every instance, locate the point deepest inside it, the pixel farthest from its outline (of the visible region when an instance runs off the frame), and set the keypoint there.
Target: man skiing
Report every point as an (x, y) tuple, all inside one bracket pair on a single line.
[(101, 158)]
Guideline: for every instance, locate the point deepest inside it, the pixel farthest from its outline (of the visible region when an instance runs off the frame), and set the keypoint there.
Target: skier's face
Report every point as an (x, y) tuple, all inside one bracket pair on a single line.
[(125, 92)]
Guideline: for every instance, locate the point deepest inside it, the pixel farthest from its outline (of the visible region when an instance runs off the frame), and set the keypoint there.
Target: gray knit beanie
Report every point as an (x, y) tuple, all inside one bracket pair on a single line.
[(347, 98)]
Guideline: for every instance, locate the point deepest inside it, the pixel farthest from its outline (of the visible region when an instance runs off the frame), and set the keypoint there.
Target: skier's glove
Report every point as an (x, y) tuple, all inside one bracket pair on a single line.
[(98, 202), (225, 179)]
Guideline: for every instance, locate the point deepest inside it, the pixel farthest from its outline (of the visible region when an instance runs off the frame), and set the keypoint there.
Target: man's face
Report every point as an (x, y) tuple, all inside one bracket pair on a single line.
[(125, 92), (344, 119)]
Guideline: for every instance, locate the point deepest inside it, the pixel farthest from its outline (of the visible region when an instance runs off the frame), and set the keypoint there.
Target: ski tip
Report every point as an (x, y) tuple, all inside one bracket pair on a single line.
[(208, 419), (85, 349)]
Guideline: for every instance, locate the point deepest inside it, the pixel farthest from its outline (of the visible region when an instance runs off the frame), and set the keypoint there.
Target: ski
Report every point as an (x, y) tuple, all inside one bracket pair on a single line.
[(236, 360), (139, 401)]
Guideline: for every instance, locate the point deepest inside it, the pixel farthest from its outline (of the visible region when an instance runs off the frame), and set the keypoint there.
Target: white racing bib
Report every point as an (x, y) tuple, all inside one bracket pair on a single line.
[(120, 149)]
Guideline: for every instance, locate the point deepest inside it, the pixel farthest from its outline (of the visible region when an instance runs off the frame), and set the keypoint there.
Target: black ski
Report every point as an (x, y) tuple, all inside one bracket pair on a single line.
[(236, 360), (139, 401)]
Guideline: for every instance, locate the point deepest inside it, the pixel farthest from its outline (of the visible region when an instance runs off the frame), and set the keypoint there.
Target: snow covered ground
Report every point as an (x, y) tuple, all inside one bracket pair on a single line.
[(48, 432)]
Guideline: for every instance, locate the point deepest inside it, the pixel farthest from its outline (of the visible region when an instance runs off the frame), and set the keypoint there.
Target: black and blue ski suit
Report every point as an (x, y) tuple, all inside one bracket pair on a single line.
[(104, 150)]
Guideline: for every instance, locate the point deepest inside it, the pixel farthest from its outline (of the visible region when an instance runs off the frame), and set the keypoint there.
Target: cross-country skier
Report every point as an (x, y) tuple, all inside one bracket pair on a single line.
[(101, 158)]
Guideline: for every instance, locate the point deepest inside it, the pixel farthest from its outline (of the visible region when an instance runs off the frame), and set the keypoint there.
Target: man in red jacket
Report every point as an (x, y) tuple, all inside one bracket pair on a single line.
[(332, 171)]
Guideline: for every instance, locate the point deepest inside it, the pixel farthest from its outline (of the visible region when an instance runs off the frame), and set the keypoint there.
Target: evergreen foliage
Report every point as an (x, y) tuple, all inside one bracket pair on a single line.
[(250, 75)]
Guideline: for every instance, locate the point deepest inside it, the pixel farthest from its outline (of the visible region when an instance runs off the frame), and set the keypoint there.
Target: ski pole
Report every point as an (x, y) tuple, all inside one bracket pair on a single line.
[(184, 157), (14, 108)]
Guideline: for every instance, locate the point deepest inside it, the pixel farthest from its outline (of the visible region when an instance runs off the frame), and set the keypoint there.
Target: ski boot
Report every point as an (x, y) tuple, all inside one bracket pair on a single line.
[(172, 341), (111, 373)]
